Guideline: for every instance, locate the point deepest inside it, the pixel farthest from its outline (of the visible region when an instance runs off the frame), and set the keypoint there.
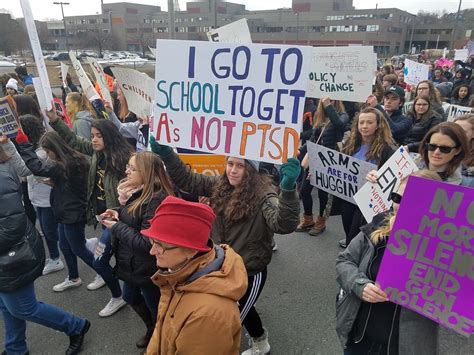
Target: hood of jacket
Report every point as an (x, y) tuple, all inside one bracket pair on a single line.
[(220, 272), (377, 221), (84, 115)]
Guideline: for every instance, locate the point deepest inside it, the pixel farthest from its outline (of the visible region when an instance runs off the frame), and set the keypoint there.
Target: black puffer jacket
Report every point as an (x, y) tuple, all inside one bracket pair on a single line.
[(14, 227), (132, 250), (418, 131), (68, 197)]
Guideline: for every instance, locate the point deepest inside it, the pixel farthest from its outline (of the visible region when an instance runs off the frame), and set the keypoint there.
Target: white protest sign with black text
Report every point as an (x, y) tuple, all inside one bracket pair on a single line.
[(8, 119), (42, 102), (100, 77), (415, 72), (454, 111), (86, 84), (138, 88), (373, 199), (37, 53), (237, 100), (338, 174), (341, 73), (235, 32)]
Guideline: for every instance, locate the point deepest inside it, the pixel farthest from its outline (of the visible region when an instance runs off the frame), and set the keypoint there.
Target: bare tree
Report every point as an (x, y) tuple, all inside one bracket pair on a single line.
[(144, 35), (13, 37)]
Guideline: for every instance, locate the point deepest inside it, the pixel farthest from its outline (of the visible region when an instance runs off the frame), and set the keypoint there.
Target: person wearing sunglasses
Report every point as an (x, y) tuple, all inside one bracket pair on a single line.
[(200, 282), (443, 150)]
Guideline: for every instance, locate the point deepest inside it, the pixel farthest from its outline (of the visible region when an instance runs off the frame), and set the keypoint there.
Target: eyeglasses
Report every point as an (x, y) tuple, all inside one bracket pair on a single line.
[(442, 148), (161, 248), (130, 168), (395, 197)]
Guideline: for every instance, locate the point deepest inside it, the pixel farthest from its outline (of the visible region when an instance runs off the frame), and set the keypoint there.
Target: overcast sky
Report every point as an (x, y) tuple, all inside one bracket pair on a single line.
[(42, 10)]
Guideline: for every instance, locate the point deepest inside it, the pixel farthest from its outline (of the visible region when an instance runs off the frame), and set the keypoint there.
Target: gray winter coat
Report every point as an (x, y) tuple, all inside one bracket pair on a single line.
[(82, 124)]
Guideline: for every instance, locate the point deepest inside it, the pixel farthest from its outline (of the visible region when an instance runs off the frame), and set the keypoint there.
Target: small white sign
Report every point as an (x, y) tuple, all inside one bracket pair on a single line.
[(415, 72), (235, 32), (86, 84)]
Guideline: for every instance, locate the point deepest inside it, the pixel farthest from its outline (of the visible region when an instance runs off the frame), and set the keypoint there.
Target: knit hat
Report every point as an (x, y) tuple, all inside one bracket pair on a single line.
[(182, 223), (12, 84), (255, 164)]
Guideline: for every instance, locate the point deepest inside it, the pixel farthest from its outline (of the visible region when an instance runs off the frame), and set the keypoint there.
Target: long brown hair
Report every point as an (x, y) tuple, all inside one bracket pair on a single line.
[(383, 136), (434, 93), (155, 179), (82, 103), (123, 105), (237, 203), (470, 119), (320, 118), (428, 114)]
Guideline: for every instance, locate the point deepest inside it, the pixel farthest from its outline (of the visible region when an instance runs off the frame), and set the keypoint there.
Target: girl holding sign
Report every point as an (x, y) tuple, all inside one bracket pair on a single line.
[(370, 140)]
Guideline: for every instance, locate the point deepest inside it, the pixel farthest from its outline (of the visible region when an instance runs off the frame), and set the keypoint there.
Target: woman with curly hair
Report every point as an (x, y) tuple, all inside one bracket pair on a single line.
[(461, 95), (248, 213), (371, 141)]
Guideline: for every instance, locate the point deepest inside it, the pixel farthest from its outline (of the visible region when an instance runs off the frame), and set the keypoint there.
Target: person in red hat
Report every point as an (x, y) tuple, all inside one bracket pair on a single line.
[(200, 282)]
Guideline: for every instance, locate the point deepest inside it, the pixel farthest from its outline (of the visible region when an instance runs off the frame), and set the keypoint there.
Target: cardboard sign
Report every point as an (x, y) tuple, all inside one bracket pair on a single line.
[(62, 112), (341, 73), (87, 87), (100, 77), (415, 72), (338, 174), (373, 199), (9, 123), (207, 164), (37, 53), (461, 54), (244, 101), (456, 110), (407, 106), (428, 262), (235, 32), (43, 104), (64, 70), (138, 89)]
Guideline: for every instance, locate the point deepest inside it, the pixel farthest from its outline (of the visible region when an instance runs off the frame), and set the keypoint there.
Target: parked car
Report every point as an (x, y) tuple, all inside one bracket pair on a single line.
[(61, 56)]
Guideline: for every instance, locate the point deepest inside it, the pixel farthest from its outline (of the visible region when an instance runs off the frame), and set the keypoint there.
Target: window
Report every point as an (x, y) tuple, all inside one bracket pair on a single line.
[(105, 20), (421, 32), (131, 30), (441, 31), (372, 28), (92, 21)]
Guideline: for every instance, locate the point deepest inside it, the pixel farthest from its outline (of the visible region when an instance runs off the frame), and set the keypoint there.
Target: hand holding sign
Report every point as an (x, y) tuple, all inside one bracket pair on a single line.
[(373, 293), (157, 148), (290, 172)]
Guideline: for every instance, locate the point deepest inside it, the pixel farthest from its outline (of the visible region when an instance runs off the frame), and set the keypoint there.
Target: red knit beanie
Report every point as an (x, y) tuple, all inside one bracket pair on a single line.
[(182, 223)]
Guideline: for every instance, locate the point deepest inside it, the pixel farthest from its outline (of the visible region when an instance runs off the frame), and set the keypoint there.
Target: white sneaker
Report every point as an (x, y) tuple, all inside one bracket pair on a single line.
[(52, 266), (258, 346), (67, 284), (114, 305), (96, 284)]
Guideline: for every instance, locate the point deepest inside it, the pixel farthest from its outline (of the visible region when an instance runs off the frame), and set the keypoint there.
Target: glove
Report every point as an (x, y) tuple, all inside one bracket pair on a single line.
[(290, 172), (21, 137), (157, 148)]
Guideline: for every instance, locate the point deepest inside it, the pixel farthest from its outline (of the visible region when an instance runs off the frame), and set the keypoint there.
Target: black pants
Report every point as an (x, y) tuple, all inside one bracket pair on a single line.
[(29, 209), (352, 220), (248, 314), (365, 347), (307, 198)]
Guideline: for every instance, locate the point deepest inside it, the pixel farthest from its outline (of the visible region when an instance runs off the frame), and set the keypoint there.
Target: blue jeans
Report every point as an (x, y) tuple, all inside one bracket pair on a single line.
[(101, 263), (20, 306), (72, 242), (135, 295), (49, 226)]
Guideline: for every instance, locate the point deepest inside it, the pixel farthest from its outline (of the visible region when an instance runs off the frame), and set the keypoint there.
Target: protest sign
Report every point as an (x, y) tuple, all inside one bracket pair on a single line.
[(461, 54), (338, 174), (456, 110), (373, 199), (407, 106), (153, 51), (415, 72), (239, 100), (341, 73), (235, 32), (42, 103), (37, 53), (64, 70), (61, 112), (428, 263), (101, 80), (87, 87), (207, 164), (9, 123), (138, 88)]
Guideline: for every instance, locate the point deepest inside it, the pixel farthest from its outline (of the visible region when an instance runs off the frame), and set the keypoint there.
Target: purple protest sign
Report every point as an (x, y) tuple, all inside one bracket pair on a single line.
[(428, 265)]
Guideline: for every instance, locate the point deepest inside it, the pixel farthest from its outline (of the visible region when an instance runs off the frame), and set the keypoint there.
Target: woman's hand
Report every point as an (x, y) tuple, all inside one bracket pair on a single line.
[(326, 101), (372, 101), (373, 293), (108, 107), (51, 114), (3, 139), (110, 214), (372, 176), (108, 223)]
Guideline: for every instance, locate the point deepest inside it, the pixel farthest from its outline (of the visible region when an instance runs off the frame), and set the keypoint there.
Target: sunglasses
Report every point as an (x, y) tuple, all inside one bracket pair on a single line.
[(396, 198), (442, 148)]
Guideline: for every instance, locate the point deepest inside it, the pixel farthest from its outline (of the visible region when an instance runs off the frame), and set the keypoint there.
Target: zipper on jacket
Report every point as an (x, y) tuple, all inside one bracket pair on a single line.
[(391, 329)]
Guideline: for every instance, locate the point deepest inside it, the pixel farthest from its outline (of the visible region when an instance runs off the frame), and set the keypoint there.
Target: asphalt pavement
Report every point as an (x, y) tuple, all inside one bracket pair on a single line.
[(297, 305)]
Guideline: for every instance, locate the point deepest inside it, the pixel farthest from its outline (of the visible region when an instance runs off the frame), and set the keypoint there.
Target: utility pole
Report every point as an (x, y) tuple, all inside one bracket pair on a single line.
[(64, 21), (171, 24), (453, 36)]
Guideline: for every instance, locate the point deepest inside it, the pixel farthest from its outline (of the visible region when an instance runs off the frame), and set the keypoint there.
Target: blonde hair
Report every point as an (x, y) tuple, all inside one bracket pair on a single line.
[(81, 104), (320, 118), (385, 228)]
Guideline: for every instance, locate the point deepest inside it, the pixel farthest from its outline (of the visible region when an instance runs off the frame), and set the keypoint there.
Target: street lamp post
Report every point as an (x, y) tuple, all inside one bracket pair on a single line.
[(453, 36), (64, 21)]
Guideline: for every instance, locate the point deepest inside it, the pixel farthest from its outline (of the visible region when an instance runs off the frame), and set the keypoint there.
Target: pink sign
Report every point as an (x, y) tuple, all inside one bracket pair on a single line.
[(428, 264)]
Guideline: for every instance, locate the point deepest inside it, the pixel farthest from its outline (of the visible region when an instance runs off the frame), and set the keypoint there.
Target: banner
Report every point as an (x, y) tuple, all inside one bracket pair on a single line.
[(415, 72), (341, 73), (37, 53), (244, 101), (61, 112), (461, 54), (101, 80), (42, 103), (87, 87), (373, 199), (9, 123), (235, 32), (207, 164), (456, 110), (428, 263), (338, 174), (138, 89), (64, 70)]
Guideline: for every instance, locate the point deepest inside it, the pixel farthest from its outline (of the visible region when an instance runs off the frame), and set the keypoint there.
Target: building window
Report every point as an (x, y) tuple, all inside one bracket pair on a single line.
[(92, 21), (105, 20), (372, 28), (421, 31), (441, 31), (131, 30)]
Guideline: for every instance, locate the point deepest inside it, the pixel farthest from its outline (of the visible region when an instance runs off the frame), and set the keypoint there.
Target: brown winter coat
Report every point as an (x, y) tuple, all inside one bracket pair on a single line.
[(198, 313)]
